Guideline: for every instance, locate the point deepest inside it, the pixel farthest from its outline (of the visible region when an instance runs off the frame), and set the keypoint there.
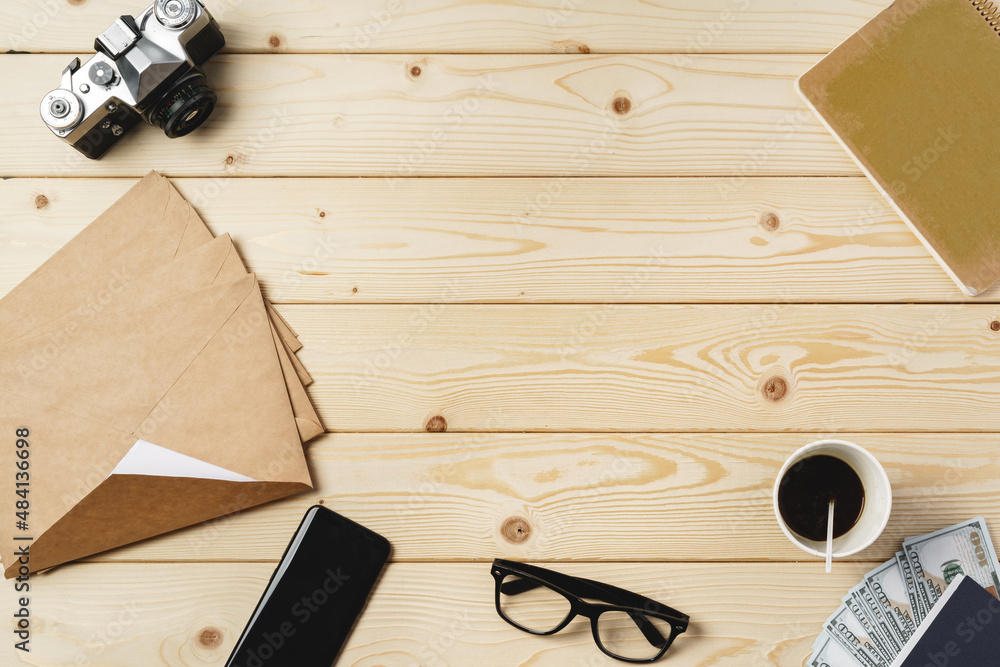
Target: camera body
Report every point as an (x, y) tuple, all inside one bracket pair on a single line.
[(146, 68)]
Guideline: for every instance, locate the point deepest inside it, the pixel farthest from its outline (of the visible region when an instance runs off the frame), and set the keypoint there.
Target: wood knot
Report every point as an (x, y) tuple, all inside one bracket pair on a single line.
[(621, 105), (769, 221), (437, 423), (210, 638), (515, 530), (321, 501), (274, 41), (230, 159), (76, 3), (571, 46), (41, 201), (415, 71), (775, 388), (354, 291), (995, 325), (322, 214)]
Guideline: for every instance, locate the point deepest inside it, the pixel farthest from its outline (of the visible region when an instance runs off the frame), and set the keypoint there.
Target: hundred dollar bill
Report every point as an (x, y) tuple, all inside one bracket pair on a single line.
[(875, 633), (847, 629), (883, 616), (886, 585), (828, 652), (965, 548), (910, 581), (879, 616)]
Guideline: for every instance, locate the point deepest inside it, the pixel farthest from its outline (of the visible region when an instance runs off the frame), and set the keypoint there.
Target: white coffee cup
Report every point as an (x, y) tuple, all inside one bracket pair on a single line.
[(874, 513)]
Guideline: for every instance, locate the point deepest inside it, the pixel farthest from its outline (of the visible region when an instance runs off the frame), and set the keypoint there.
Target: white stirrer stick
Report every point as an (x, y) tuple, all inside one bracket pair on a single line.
[(829, 539)]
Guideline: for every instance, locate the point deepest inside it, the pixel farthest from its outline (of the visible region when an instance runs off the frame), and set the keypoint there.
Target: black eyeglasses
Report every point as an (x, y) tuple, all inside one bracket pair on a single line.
[(628, 627)]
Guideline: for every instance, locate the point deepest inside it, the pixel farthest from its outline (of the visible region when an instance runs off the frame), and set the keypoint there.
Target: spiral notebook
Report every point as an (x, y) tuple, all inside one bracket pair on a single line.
[(914, 96)]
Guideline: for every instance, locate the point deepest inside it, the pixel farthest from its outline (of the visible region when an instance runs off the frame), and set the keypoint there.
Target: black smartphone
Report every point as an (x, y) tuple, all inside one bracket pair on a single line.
[(314, 596)]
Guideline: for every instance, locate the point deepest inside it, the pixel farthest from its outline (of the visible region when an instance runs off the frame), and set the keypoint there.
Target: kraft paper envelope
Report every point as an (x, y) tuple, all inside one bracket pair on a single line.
[(151, 222), (211, 263), (149, 225), (147, 420)]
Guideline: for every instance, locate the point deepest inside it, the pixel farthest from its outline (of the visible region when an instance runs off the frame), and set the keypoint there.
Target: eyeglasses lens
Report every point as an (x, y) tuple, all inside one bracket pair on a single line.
[(633, 635), (531, 605)]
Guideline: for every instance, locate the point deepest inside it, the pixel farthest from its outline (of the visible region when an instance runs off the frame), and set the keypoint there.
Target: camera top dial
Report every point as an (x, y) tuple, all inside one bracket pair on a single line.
[(175, 14), (61, 110)]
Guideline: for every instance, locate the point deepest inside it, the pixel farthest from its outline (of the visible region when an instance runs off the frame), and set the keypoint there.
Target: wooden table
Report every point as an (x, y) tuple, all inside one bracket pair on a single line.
[(602, 274)]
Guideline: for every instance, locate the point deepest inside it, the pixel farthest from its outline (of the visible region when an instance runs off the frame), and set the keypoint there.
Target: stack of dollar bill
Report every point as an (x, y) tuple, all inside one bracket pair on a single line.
[(882, 612)]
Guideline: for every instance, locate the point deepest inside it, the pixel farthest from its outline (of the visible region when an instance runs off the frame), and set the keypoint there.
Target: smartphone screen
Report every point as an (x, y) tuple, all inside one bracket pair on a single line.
[(315, 594)]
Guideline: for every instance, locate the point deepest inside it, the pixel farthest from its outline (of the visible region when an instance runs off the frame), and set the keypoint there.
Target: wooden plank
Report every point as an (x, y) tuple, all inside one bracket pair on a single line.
[(420, 614), (417, 26), (567, 497), (618, 368), (464, 115), (509, 240)]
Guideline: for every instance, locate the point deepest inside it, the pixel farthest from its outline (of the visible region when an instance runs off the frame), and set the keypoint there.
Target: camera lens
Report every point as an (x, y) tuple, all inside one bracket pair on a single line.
[(185, 107)]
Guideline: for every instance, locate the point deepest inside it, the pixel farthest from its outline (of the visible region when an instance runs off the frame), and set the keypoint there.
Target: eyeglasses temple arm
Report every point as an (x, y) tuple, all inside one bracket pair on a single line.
[(649, 630), (628, 598), (518, 586)]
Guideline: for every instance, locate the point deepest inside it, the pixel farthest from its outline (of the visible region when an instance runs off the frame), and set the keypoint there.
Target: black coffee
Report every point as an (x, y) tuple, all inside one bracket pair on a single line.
[(806, 490)]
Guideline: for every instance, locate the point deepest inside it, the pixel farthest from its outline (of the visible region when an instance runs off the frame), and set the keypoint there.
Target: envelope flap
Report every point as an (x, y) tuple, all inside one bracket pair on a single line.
[(245, 423), (67, 458), (115, 369), (127, 508)]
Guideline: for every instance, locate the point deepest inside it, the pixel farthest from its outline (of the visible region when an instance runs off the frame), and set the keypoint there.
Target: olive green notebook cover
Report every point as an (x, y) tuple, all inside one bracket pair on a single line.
[(914, 96)]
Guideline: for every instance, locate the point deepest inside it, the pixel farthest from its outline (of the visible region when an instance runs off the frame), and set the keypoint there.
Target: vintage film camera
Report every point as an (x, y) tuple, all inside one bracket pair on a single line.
[(146, 67)]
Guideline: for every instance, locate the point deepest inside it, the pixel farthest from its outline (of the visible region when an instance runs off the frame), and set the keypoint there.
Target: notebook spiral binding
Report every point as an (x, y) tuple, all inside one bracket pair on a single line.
[(990, 11)]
